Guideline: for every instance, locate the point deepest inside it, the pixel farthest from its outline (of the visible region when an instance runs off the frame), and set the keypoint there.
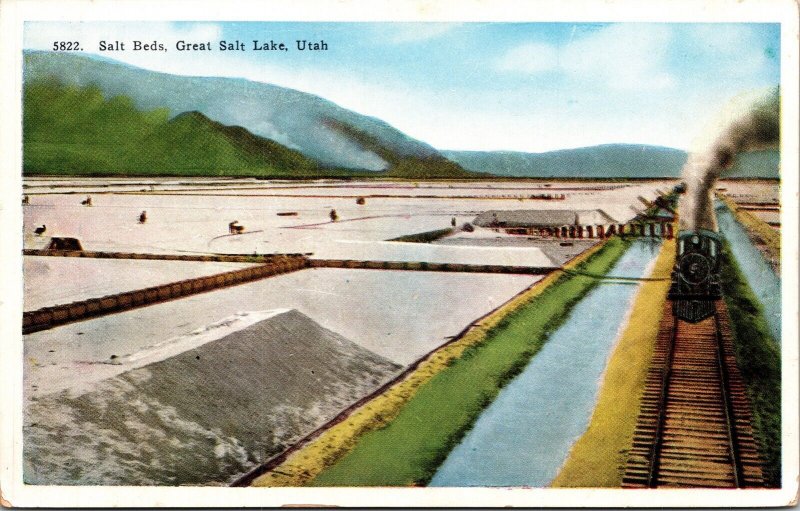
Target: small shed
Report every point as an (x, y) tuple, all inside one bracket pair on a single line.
[(543, 222)]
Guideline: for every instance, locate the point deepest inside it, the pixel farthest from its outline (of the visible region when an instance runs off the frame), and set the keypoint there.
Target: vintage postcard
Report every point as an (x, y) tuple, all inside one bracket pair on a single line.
[(399, 254)]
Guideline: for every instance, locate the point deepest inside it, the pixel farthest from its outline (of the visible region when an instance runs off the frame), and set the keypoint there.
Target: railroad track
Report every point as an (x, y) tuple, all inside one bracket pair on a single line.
[(694, 428)]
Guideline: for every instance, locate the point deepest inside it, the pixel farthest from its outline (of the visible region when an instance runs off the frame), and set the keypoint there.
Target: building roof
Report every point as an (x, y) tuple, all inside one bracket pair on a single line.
[(541, 217)]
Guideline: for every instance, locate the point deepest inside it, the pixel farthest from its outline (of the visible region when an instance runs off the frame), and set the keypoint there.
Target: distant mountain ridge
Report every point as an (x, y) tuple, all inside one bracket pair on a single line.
[(605, 161), (98, 116), (289, 117)]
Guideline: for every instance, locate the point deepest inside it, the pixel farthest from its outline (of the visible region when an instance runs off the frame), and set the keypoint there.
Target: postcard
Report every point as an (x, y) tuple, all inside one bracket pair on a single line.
[(399, 254)]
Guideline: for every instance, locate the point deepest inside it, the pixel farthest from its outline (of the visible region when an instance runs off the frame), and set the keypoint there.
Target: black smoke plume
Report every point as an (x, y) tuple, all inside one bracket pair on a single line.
[(749, 124)]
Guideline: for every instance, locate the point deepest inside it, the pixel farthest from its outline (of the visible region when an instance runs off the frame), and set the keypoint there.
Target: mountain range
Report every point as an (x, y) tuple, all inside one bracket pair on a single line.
[(605, 161), (91, 115)]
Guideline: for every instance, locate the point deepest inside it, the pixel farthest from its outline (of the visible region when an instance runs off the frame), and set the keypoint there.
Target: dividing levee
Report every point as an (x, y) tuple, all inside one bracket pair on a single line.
[(401, 436)]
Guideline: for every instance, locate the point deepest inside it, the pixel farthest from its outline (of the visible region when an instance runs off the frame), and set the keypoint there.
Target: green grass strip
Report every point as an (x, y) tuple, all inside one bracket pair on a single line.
[(759, 358), (409, 449)]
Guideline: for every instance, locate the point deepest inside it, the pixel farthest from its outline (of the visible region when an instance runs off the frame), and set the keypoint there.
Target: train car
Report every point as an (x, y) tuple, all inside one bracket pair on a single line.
[(696, 275)]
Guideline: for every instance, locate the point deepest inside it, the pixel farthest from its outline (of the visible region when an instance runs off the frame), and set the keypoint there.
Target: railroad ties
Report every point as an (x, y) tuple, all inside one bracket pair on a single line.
[(694, 428)]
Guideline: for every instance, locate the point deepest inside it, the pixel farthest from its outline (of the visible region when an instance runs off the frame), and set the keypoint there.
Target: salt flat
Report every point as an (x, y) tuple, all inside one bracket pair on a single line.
[(209, 345), (58, 280), (188, 222), (398, 315)]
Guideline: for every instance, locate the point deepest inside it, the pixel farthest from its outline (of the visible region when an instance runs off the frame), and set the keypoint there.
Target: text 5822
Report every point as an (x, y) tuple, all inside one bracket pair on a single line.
[(66, 46)]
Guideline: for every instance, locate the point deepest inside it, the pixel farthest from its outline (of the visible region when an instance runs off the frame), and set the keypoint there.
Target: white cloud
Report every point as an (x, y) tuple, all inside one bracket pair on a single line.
[(530, 58), (402, 33), (623, 56)]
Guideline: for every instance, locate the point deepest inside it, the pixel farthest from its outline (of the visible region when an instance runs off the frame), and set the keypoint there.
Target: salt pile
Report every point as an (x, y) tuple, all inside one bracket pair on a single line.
[(205, 415)]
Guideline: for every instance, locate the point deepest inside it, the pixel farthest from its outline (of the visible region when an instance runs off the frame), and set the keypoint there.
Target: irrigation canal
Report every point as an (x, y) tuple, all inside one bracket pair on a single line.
[(525, 435), (766, 286)]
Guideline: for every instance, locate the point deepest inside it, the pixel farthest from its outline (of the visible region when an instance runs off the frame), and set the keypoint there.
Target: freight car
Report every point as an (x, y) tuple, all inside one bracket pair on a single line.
[(696, 275)]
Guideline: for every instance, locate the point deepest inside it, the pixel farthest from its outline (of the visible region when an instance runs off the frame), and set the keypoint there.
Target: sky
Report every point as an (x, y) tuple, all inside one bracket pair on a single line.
[(479, 86)]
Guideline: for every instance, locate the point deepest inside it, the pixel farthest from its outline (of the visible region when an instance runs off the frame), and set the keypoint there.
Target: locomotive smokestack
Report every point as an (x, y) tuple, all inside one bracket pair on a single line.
[(750, 124)]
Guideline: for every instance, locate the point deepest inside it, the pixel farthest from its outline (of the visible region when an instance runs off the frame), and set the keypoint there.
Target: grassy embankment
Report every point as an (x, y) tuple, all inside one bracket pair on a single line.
[(759, 358), (400, 437), (598, 458), (759, 231)]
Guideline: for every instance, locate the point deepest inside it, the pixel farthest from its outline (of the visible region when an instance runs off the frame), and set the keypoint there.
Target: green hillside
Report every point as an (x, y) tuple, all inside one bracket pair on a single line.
[(403, 166), (75, 130)]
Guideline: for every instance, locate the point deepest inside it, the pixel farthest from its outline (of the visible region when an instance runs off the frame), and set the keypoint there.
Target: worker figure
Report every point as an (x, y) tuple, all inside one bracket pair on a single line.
[(143, 217), (234, 228), (87, 201)]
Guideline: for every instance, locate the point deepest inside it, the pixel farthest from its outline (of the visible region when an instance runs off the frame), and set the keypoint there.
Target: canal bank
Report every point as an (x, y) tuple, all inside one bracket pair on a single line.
[(758, 356), (752, 290), (760, 277), (327, 455), (598, 457), (408, 450), (523, 437)]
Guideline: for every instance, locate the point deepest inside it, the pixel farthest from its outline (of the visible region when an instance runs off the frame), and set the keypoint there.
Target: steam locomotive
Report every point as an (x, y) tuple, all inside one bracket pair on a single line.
[(696, 275)]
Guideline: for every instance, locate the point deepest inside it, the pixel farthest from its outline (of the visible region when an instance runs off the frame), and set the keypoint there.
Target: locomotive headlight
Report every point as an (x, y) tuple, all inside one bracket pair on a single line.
[(695, 268)]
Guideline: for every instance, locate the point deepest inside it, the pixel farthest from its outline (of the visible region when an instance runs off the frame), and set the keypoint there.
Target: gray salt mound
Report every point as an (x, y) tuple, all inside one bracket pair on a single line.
[(205, 416)]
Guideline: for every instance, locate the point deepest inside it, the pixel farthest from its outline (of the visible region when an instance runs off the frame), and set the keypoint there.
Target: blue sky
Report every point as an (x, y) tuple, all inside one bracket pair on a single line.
[(482, 86)]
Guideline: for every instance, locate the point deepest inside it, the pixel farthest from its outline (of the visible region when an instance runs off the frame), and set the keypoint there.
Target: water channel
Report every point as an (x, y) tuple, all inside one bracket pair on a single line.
[(766, 286), (524, 436)]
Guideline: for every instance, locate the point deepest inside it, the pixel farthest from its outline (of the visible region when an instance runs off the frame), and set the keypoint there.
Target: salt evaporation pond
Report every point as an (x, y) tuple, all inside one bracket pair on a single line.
[(58, 280), (759, 275), (397, 314), (524, 436)]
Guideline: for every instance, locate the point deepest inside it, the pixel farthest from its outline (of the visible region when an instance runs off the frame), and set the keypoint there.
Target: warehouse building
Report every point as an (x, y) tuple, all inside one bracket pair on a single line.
[(546, 222)]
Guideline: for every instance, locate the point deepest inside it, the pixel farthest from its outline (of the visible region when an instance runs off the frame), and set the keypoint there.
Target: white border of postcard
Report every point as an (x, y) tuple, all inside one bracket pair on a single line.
[(14, 12)]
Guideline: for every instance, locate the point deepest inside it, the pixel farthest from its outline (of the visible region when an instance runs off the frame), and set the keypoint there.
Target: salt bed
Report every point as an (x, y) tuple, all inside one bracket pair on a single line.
[(203, 409), (198, 224), (319, 187), (59, 280), (768, 216), (558, 251), (399, 315)]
